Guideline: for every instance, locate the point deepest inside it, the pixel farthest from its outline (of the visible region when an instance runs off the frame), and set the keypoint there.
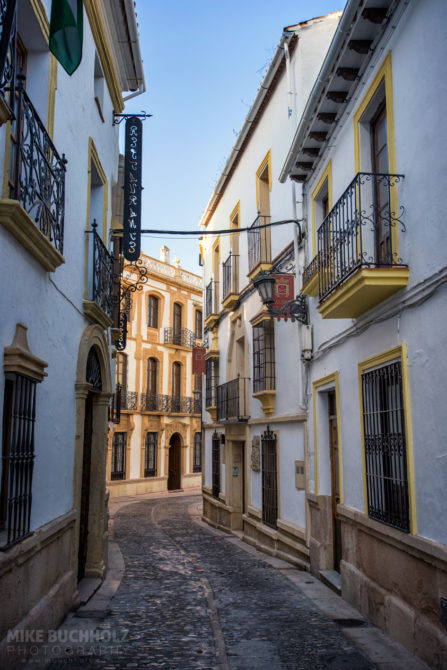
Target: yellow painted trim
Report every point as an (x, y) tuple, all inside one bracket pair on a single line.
[(365, 289), (267, 400), (216, 244), (267, 161), (52, 87), (311, 287), (42, 18), (230, 300), (326, 174), (266, 267), (318, 383), (236, 213), (94, 14), (384, 74), (399, 352)]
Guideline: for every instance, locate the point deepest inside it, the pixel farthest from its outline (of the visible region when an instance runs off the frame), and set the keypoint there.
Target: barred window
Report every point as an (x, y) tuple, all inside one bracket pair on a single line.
[(152, 310), (118, 469), (212, 381), (385, 446), (263, 356), (215, 465), (19, 415), (269, 479), (150, 455), (197, 454)]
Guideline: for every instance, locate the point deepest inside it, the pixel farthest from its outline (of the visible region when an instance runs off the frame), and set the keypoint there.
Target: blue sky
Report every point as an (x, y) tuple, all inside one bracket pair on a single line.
[(204, 61)]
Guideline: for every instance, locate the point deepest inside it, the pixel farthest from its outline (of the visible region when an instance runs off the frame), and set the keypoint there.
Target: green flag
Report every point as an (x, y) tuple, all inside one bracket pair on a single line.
[(66, 32)]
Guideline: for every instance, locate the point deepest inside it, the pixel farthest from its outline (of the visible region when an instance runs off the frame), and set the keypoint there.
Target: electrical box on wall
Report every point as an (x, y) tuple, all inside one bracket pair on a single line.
[(300, 478)]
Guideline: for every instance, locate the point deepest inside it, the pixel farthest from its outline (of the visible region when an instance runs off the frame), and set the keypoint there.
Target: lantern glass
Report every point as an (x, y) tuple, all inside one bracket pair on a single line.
[(264, 285)]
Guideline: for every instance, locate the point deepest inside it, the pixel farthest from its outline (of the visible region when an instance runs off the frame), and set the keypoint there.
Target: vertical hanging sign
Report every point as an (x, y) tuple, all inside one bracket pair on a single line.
[(132, 188)]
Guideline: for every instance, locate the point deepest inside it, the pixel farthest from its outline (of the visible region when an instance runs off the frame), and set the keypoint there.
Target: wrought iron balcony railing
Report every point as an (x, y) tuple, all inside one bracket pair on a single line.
[(311, 269), (8, 40), (259, 246), (230, 275), (182, 337), (151, 402), (37, 174), (101, 285), (232, 400), (358, 231), (129, 400), (212, 298), (169, 403)]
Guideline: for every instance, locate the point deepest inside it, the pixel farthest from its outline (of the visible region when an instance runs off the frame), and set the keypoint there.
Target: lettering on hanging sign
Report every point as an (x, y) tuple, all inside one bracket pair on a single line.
[(132, 188), (121, 342)]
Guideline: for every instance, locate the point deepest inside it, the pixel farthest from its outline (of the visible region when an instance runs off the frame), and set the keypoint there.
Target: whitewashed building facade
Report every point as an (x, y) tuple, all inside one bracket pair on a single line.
[(370, 152), (59, 163), (253, 399)]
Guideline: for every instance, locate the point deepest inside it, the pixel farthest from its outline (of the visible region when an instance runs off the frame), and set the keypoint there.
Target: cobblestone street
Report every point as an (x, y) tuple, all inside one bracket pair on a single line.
[(192, 597)]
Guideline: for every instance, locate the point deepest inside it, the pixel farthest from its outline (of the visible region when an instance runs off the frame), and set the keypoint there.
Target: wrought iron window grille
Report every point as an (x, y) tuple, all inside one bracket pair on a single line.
[(232, 400), (264, 378), (357, 232), (211, 381), (118, 465), (19, 416), (212, 298), (197, 453), (385, 446), (230, 275), (269, 478), (150, 455), (37, 175), (215, 464), (8, 39)]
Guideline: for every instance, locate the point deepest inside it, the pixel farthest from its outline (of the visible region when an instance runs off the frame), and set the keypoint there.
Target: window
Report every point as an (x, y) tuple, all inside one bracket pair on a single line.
[(321, 202), (118, 469), (99, 87), (197, 454), (215, 465), (177, 321), (379, 146), (150, 455), (385, 445), (263, 356), (19, 414), (176, 387), (269, 479), (152, 376), (152, 310), (212, 381), (198, 324), (121, 371)]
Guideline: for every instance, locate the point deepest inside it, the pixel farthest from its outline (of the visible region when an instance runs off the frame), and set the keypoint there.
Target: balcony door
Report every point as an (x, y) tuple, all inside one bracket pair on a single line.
[(177, 324), (379, 140)]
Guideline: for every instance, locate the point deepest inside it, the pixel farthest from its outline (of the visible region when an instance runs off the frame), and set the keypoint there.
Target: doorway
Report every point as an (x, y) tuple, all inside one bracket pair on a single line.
[(335, 479), (85, 486), (238, 484), (175, 463)]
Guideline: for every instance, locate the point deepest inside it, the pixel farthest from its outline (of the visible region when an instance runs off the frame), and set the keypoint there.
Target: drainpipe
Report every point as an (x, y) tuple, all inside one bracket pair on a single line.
[(291, 112)]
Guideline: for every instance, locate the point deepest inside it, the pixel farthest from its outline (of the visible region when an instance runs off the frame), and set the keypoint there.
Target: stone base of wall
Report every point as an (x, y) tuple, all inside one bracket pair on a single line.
[(397, 581), (286, 542), (37, 588)]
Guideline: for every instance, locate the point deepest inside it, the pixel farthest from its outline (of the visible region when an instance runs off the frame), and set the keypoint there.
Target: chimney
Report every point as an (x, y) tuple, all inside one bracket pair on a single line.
[(164, 254)]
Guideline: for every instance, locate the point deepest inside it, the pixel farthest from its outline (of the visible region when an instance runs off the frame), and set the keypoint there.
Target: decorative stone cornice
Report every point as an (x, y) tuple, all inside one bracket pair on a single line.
[(18, 357)]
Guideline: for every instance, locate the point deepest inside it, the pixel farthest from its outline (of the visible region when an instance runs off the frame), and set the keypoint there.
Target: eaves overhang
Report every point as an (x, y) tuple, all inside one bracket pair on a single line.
[(361, 28)]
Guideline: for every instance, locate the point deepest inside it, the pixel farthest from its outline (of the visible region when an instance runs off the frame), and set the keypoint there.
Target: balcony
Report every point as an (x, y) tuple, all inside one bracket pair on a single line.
[(99, 306), (182, 337), (358, 252), (34, 211), (129, 400), (310, 278), (171, 404), (230, 283), (8, 29), (232, 400), (259, 247), (211, 303)]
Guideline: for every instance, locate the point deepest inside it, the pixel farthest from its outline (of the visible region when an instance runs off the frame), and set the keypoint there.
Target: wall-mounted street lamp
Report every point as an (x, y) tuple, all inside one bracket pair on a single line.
[(293, 309)]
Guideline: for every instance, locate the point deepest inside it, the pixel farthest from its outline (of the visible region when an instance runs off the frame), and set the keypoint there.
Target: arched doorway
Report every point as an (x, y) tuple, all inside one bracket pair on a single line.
[(93, 391), (175, 463)]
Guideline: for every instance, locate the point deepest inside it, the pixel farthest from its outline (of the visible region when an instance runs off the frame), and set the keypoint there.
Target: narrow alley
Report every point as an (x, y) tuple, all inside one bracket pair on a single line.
[(186, 596)]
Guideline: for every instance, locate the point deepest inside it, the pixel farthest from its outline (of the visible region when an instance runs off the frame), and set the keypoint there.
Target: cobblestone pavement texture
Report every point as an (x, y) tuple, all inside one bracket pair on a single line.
[(191, 599)]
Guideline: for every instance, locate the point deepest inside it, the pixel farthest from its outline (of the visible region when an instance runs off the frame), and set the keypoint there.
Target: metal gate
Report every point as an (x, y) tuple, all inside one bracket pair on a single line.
[(269, 479), (216, 464)]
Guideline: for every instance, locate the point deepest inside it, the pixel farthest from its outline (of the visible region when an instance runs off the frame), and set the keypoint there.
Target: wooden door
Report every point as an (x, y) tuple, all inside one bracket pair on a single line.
[(335, 479)]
